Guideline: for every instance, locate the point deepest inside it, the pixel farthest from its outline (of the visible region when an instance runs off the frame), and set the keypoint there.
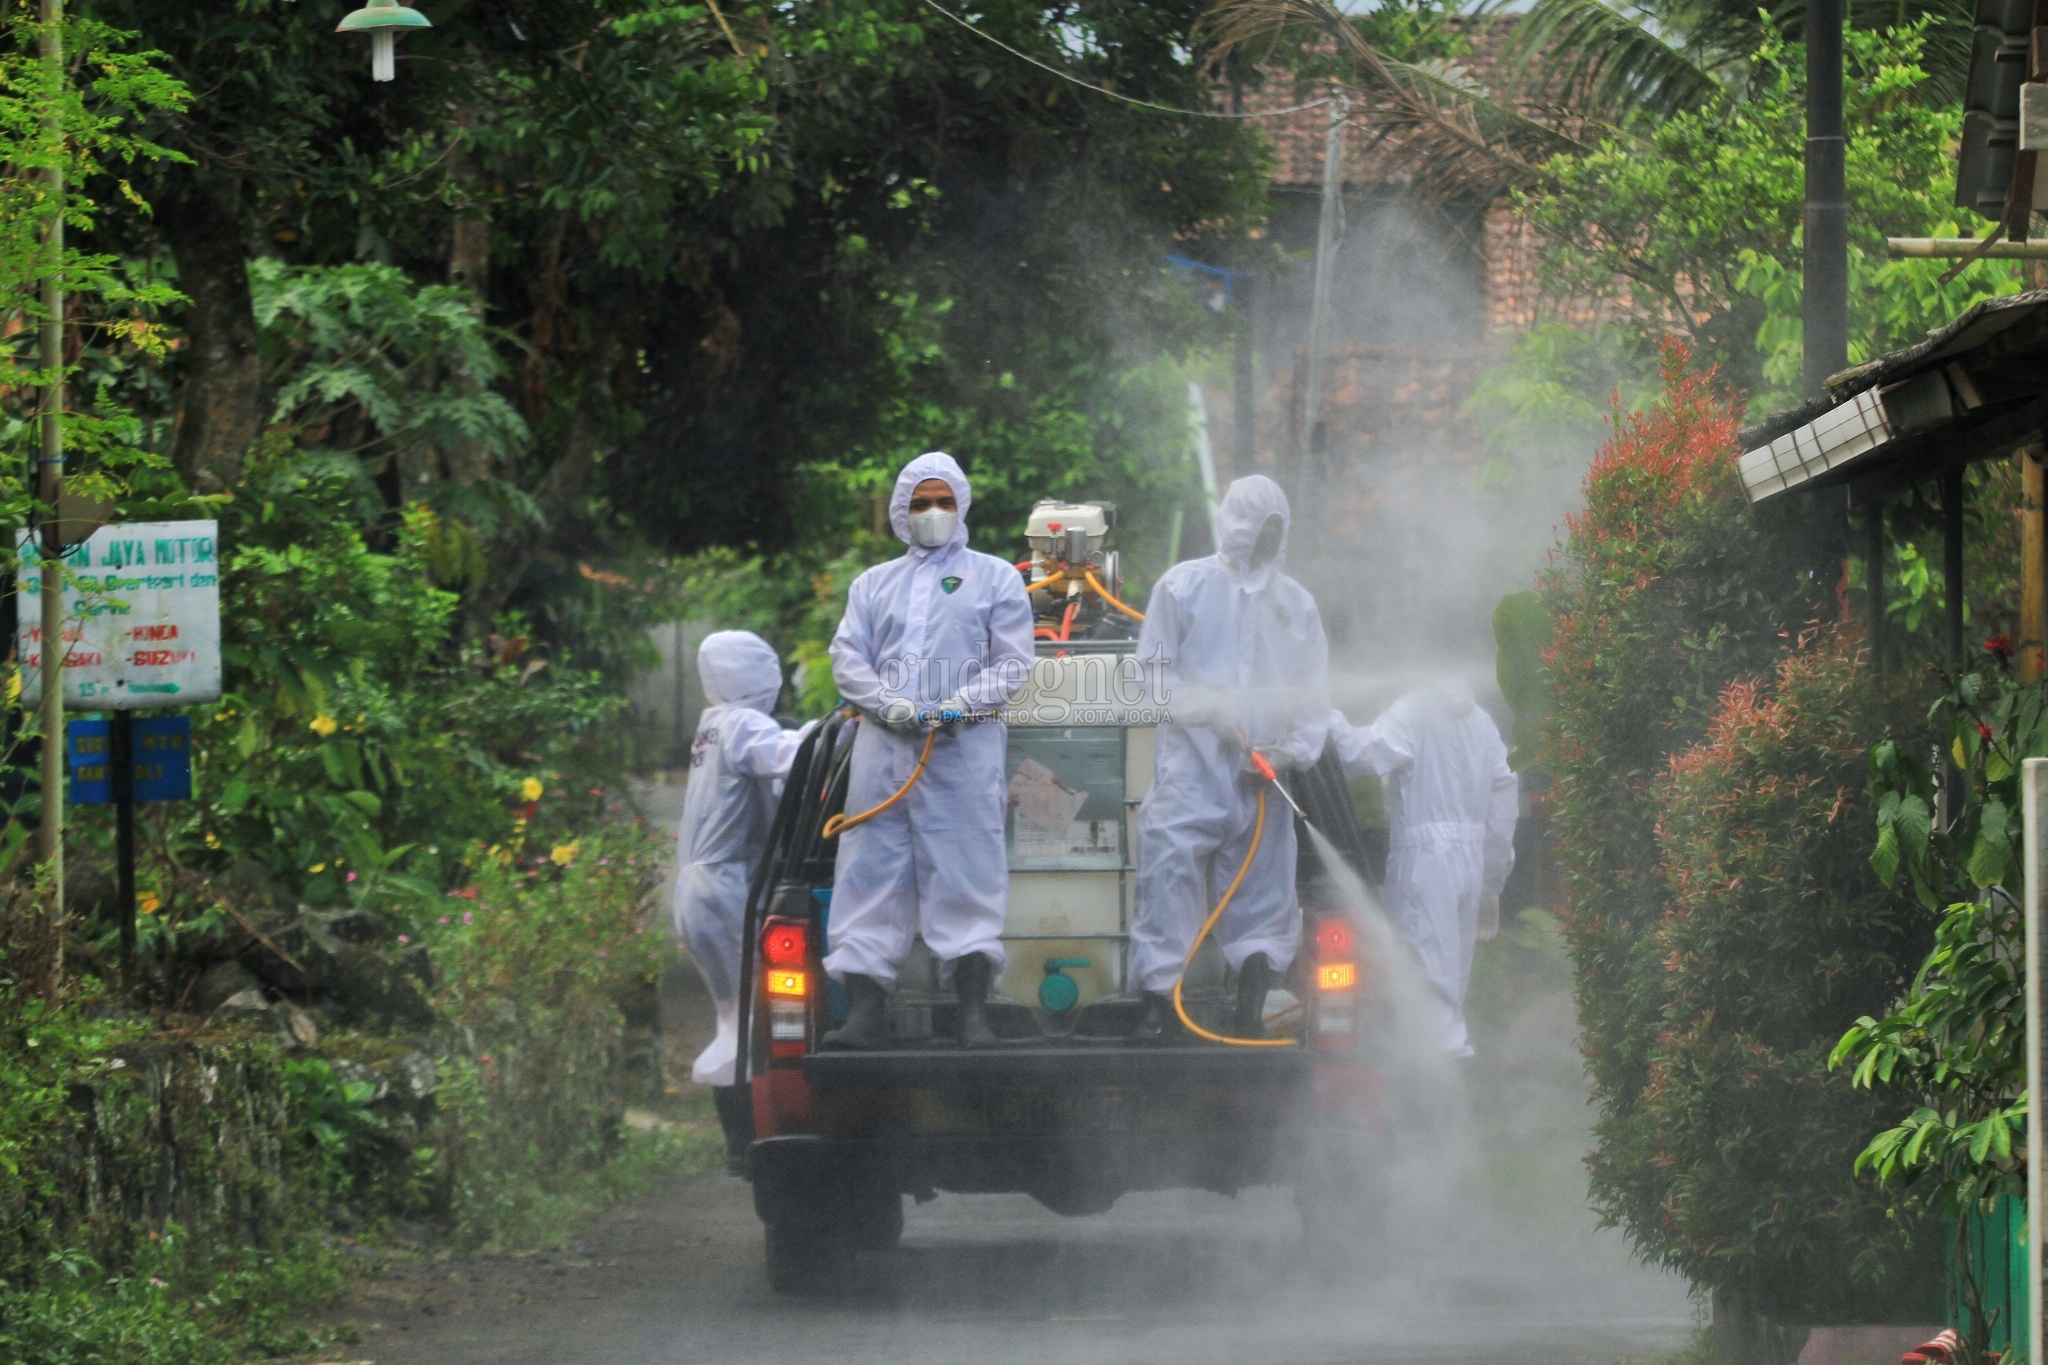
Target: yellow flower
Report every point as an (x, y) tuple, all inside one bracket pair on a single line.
[(563, 854), (323, 725), (317, 867), (149, 905), (531, 789)]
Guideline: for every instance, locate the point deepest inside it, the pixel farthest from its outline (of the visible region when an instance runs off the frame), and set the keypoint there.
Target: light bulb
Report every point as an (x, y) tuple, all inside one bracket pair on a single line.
[(383, 55)]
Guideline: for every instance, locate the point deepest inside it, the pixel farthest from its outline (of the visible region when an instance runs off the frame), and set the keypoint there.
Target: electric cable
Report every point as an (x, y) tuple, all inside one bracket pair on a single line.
[(1258, 832), (842, 822), (1105, 90)]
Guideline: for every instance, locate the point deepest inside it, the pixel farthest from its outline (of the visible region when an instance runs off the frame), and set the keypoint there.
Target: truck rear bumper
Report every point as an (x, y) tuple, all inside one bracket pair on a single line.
[(1074, 1127)]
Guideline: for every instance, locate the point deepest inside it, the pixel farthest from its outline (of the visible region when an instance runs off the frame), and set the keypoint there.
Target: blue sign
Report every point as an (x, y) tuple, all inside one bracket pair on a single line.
[(163, 759)]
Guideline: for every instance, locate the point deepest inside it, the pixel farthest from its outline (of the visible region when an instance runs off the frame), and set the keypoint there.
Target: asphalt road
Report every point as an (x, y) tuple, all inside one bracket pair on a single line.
[(1498, 1262), (676, 1277)]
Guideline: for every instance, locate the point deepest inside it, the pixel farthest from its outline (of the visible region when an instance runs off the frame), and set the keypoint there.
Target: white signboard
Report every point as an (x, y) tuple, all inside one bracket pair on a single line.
[(141, 617)]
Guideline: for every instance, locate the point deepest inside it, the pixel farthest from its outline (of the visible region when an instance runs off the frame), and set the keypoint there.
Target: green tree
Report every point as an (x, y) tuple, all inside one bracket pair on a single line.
[(1692, 223)]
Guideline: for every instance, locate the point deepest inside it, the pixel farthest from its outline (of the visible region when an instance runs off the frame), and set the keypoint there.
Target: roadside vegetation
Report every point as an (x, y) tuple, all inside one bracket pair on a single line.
[(605, 307)]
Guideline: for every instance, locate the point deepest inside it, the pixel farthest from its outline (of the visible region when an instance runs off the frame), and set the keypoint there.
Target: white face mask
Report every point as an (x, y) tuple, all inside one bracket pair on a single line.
[(934, 528)]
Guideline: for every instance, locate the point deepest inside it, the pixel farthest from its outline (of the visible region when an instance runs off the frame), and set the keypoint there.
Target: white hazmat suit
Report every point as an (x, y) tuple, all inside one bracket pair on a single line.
[(1239, 650), (943, 624), (737, 762), (1451, 843)]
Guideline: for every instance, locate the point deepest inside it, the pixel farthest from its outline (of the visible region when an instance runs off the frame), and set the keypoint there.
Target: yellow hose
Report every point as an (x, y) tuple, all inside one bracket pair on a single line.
[(1057, 576), (842, 822), (1258, 832), (1128, 611)]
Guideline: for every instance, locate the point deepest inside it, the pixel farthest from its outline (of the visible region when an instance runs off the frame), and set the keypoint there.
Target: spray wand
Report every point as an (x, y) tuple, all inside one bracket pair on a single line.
[(1265, 770)]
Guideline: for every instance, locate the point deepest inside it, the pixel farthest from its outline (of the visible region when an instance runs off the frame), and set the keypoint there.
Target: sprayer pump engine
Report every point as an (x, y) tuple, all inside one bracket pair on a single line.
[(1069, 546)]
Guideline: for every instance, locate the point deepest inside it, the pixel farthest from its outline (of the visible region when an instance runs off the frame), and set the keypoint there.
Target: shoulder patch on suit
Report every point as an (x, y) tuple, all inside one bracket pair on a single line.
[(949, 583), (1285, 618)]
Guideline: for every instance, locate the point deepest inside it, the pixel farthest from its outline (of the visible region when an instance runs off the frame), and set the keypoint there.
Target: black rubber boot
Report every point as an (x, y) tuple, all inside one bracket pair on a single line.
[(1254, 979), (867, 1022), (1161, 1023), (735, 1105), (972, 976)]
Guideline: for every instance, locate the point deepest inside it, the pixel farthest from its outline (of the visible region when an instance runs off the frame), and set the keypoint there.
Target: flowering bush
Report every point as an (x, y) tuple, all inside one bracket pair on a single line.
[(1668, 592), (1775, 935)]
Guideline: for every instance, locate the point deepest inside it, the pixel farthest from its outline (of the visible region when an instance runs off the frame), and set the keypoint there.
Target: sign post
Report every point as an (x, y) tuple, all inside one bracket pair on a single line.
[(139, 628)]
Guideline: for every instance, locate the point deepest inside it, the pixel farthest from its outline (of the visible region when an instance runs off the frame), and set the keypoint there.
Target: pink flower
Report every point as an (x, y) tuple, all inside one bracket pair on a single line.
[(442, 920), (466, 917), (351, 876), (602, 953), (405, 938)]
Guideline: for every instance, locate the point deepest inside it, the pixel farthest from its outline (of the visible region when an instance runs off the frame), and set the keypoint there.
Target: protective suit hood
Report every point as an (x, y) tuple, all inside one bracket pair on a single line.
[(738, 667), (1454, 695), (1246, 505), (935, 464)]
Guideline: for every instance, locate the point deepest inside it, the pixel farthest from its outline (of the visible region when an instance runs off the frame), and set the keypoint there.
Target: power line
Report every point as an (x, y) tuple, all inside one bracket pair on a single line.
[(1105, 90)]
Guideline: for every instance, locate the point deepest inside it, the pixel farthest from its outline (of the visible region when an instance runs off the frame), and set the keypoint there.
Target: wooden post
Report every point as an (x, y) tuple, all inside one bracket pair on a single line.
[(2031, 634), (1952, 562), (2033, 799), (50, 492), (121, 770), (1875, 553)]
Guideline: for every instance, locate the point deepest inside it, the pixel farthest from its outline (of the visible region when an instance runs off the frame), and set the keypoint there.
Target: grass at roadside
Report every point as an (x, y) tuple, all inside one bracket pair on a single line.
[(179, 1304)]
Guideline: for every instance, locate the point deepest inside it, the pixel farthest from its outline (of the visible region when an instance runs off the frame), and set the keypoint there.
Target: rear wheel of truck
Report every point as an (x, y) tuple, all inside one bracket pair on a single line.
[(873, 1218), (1343, 1194), (805, 1259)]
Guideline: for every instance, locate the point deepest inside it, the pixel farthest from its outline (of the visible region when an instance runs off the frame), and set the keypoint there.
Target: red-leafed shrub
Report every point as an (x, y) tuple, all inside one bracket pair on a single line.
[(1668, 589), (1776, 936)]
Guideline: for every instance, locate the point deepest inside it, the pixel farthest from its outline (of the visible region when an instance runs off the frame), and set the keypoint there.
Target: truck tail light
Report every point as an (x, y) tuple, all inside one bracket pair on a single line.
[(786, 943), (1335, 939), (786, 978), (1336, 1012)]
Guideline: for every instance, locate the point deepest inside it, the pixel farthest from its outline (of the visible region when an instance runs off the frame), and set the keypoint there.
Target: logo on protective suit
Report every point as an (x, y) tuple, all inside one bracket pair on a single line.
[(949, 583)]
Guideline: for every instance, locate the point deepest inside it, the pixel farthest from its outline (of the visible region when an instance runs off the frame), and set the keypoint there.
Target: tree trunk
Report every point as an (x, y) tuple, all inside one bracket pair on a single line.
[(1743, 1336), (221, 409), (565, 481), (469, 267)]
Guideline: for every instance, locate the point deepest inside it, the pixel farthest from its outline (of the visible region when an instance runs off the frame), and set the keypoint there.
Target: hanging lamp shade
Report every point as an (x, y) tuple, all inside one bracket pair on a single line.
[(382, 14), (382, 19)]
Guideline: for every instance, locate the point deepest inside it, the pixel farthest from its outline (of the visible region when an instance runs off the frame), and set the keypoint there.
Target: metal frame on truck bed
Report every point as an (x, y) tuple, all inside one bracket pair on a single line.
[(1071, 1109)]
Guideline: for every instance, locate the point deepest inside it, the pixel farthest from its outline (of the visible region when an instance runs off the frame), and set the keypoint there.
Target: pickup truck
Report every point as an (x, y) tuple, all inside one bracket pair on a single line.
[(1071, 1110)]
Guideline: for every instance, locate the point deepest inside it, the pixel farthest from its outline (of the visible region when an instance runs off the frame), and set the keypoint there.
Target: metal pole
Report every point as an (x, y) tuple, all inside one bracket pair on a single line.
[(1319, 307), (121, 757), (2033, 793), (50, 487), (1244, 395), (1205, 461), (1827, 202)]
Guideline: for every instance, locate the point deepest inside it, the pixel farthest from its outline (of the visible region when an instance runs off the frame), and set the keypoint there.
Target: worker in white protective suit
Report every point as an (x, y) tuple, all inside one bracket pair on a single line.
[(933, 645), (1451, 843), (1242, 664), (738, 760)]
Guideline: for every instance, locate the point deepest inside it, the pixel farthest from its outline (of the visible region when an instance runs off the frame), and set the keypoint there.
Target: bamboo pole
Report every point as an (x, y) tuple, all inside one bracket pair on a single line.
[(1947, 248)]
